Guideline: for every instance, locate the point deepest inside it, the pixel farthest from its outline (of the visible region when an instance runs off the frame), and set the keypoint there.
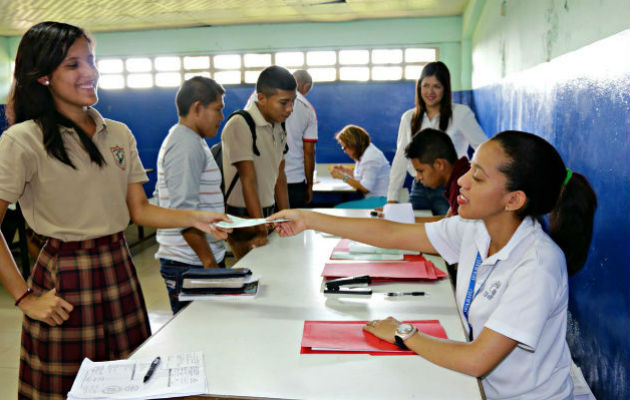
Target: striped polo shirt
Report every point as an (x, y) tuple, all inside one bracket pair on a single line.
[(188, 178)]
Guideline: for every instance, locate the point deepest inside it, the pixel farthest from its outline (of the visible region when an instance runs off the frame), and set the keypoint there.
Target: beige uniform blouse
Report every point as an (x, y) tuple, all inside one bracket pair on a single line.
[(65, 203)]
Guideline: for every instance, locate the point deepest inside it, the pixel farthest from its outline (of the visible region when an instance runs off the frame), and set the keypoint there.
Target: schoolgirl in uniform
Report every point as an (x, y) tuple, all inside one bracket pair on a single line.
[(434, 109), (78, 179), (512, 290)]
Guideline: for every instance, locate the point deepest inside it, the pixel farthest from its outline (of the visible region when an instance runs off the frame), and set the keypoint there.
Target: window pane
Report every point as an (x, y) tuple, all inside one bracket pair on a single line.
[(386, 73), (387, 56), (412, 72), (200, 62), (290, 59), (168, 63), (354, 57), (110, 65), (252, 76), (140, 80), (189, 75), (420, 55), (321, 58), (228, 77), (257, 60), (227, 61), (111, 82), (354, 73), (323, 74), (168, 79), (138, 64)]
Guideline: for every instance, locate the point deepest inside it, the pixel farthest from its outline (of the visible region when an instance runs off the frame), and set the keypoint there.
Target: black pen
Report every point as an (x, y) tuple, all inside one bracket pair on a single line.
[(395, 294), (152, 369)]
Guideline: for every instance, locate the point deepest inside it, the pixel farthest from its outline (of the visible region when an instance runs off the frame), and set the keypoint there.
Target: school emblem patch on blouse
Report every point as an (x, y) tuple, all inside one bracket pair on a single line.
[(119, 156)]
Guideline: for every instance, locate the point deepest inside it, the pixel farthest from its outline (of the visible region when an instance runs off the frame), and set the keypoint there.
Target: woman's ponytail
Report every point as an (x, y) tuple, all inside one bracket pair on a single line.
[(571, 221), (537, 169)]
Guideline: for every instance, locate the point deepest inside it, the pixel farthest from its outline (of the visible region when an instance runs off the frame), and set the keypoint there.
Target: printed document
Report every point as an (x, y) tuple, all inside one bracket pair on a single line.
[(177, 375)]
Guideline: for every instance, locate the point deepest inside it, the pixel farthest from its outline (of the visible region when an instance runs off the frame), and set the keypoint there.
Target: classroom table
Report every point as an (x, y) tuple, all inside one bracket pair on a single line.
[(252, 346), (328, 190), (325, 183)]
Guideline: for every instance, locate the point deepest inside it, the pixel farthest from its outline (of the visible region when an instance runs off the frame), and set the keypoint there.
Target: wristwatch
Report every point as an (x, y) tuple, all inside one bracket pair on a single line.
[(404, 332), (346, 177)]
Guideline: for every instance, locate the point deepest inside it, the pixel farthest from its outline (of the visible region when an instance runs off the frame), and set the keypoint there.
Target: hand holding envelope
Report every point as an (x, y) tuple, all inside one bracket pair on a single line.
[(245, 222)]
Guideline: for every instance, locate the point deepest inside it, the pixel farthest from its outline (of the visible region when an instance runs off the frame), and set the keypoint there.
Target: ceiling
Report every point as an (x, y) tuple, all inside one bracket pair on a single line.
[(16, 16)]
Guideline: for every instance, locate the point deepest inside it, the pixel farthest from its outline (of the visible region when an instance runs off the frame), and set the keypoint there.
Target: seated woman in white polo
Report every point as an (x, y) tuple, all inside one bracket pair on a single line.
[(371, 168)]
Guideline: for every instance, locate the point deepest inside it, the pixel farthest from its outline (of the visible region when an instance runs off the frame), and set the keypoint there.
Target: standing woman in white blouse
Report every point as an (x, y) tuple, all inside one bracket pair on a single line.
[(434, 109)]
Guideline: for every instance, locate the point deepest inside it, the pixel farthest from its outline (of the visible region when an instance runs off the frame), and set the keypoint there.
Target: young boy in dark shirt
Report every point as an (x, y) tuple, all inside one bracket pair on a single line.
[(434, 158)]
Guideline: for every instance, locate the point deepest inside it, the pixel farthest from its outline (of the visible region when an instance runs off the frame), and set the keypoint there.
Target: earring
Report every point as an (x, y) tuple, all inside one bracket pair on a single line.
[(46, 82), (507, 208)]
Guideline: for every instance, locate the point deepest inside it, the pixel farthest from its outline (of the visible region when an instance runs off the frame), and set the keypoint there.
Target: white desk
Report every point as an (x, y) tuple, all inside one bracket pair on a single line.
[(251, 347), (325, 183)]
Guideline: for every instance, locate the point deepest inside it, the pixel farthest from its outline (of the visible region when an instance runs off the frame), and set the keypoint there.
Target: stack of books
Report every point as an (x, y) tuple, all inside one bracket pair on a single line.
[(217, 282)]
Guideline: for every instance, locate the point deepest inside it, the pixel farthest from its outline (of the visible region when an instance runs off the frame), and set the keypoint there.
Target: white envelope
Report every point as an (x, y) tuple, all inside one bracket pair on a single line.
[(399, 212)]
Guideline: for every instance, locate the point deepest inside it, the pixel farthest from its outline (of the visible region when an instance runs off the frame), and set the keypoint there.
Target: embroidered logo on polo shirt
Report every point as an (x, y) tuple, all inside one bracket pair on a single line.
[(119, 156), (492, 290)]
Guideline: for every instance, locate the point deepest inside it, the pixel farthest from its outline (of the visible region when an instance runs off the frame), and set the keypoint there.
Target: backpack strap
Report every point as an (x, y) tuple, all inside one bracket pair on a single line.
[(217, 154), (232, 184), (252, 128), (286, 145)]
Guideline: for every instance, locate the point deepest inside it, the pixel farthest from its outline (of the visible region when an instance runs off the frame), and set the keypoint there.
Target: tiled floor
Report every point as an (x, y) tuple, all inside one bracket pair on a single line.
[(11, 317)]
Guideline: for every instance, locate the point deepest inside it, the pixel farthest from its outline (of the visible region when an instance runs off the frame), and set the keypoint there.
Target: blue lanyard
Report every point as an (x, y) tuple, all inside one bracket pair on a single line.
[(471, 294)]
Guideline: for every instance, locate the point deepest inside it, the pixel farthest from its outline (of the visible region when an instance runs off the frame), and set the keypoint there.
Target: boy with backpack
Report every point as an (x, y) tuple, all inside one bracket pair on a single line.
[(253, 161)]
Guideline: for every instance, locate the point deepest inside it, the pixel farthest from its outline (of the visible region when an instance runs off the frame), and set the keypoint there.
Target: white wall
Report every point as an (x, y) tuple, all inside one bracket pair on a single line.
[(514, 35)]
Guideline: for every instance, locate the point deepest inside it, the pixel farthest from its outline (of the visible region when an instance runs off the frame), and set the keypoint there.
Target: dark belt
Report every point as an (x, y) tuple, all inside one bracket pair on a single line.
[(60, 245), (242, 211)]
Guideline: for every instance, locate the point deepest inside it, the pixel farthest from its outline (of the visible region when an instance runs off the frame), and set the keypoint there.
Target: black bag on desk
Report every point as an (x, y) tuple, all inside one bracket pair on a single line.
[(214, 280)]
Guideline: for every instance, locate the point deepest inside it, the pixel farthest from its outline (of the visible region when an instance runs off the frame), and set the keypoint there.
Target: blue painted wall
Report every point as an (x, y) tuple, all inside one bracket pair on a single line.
[(3, 120), (580, 102), (375, 106)]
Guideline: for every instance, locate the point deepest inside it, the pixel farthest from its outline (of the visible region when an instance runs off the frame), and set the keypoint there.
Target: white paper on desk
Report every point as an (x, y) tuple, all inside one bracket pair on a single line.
[(342, 255), (246, 222), (327, 235), (362, 248), (177, 375), (399, 212)]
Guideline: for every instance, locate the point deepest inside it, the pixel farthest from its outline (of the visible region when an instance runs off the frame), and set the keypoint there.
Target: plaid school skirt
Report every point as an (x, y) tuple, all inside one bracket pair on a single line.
[(108, 322)]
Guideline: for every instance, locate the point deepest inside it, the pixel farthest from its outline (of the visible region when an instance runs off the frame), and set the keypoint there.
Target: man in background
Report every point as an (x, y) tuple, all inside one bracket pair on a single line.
[(301, 138)]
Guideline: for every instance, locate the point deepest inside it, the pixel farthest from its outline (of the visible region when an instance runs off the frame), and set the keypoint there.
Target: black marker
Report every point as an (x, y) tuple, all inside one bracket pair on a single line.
[(152, 369), (395, 294)]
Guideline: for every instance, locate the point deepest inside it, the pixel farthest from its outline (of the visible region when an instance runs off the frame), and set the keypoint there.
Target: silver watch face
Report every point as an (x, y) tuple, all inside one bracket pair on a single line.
[(404, 329)]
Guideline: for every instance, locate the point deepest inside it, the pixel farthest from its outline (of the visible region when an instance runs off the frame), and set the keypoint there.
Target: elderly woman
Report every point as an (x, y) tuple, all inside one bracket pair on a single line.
[(371, 168)]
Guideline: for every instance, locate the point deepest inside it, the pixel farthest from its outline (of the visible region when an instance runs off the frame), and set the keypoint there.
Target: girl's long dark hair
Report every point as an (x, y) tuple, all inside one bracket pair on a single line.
[(42, 49), (441, 73), (537, 169)]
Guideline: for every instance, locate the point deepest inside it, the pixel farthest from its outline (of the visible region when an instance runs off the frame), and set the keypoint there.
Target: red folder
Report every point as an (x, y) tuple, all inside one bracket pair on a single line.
[(384, 271), (344, 247), (348, 337)]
